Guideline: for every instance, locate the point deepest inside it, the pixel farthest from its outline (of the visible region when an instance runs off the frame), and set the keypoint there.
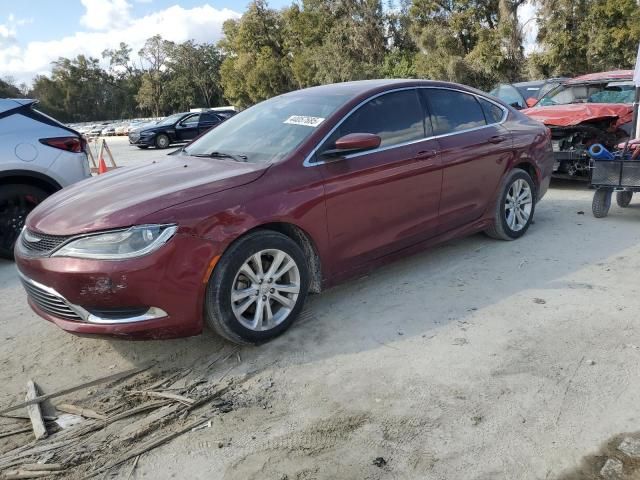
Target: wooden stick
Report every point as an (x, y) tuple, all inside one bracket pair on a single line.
[(51, 467), (170, 396), (110, 378), (106, 147), (39, 430), (15, 432), (20, 474), (83, 412), (148, 446), (133, 467)]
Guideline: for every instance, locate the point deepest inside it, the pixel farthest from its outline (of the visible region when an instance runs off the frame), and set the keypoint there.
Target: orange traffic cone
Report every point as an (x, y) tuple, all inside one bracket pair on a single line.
[(102, 166)]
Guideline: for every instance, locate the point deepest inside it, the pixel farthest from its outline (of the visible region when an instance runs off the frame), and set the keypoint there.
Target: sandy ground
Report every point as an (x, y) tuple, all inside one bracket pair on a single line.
[(479, 359)]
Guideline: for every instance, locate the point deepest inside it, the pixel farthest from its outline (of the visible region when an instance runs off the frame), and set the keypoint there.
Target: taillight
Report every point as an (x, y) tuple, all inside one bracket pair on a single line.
[(70, 144)]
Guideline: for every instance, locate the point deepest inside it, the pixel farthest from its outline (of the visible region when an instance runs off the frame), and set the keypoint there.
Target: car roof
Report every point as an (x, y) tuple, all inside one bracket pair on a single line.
[(7, 104), (602, 76), (363, 88)]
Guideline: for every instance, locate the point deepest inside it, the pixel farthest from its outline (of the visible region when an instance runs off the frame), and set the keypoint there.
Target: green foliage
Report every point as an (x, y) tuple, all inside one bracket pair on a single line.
[(582, 36), (8, 89), (267, 52)]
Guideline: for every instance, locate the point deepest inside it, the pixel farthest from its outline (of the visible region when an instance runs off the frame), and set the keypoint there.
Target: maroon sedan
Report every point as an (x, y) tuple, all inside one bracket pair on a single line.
[(290, 196)]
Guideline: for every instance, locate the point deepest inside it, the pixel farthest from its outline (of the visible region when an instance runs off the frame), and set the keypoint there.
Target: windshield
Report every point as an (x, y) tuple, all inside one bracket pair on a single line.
[(270, 130), (606, 92), (171, 119)]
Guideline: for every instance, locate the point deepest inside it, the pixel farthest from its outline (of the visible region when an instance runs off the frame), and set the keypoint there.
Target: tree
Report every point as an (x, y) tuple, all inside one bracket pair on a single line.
[(154, 55), (8, 88), (256, 65), (194, 75), (563, 38), (614, 33)]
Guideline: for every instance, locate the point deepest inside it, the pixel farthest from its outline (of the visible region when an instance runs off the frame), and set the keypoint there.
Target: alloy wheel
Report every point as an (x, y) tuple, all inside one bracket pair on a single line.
[(265, 290), (518, 205)]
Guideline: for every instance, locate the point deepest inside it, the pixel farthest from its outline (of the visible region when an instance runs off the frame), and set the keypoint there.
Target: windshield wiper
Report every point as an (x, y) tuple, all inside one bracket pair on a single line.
[(237, 158)]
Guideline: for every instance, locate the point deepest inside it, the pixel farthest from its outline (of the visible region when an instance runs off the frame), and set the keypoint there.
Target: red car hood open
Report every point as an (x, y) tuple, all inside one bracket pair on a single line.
[(568, 115), (122, 197)]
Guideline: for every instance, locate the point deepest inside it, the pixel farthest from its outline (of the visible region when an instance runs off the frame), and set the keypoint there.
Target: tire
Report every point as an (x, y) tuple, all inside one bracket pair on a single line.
[(162, 141), (623, 199), (142, 147), (601, 202), (240, 325), (16, 202), (506, 210)]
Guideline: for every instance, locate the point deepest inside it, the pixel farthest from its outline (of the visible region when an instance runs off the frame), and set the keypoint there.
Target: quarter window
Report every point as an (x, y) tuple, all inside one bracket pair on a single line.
[(395, 117), (453, 111), (492, 112)]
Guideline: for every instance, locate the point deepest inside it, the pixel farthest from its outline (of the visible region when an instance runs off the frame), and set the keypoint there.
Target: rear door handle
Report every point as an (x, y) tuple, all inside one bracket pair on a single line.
[(497, 139)]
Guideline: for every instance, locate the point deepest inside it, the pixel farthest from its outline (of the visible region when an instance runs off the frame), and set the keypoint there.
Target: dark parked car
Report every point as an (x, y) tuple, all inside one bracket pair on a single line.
[(523, 95), (290, 196), (178, 128)]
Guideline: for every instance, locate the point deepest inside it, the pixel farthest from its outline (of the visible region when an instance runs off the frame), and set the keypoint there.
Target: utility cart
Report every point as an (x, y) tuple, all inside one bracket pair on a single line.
[(613, 173)]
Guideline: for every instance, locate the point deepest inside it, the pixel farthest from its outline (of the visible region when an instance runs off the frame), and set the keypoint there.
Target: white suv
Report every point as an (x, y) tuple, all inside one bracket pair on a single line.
[(38, 156)]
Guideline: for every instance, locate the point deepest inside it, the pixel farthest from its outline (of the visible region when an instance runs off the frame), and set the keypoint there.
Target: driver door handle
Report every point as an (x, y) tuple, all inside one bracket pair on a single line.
[(426, 154)]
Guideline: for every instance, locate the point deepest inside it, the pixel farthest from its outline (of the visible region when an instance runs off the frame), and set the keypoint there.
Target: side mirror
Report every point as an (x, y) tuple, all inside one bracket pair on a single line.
[(531, 102), (354, 142)]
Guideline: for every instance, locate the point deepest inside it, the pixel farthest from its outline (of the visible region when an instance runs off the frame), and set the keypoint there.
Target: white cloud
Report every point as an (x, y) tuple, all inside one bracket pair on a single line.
[(105, 14), (527, 16), (202, 24)]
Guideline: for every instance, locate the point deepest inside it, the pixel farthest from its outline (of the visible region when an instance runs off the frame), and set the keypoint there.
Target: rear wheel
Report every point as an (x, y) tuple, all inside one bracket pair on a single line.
[(257, 289), (162, 141), (515, 207), (623, 199), (601, 202), (16, 201)]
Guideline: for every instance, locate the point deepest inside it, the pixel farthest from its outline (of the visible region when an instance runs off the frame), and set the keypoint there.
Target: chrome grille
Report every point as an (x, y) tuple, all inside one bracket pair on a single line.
[(42, 244), (49, 302), (134, 136)]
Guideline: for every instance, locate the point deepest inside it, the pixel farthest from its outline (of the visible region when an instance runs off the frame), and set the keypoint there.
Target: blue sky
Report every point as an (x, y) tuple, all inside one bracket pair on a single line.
[(35, 32), (52, 19)]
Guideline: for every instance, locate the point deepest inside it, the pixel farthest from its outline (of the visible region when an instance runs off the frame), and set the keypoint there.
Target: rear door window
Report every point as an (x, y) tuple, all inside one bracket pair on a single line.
[(191, 121), (396, 117), (453, 111), (209, 119)]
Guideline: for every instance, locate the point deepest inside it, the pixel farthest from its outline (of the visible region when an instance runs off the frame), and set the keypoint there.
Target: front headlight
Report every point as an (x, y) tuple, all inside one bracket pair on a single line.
[(119, 244)]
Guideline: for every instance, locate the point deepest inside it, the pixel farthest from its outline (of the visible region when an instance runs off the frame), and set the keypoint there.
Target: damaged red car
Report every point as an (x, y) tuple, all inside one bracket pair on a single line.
[(289, 197), (594, 108)]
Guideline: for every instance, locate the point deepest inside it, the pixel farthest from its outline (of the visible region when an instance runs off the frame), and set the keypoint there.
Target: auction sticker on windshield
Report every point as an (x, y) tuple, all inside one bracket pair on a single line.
[(304, 120)]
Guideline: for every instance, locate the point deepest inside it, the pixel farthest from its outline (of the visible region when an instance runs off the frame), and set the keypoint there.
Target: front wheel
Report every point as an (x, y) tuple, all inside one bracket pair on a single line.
[(257, 289), (623, 199), (515, 207), (162, 141), (16, 201)]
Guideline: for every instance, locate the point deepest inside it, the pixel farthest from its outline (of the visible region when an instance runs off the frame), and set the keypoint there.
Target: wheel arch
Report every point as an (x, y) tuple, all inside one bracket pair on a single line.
[(26, 177), (530, 169), (304, 241)]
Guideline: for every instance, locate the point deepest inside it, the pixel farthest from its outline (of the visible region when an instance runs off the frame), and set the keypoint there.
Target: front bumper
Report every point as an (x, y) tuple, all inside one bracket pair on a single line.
[(142, 140), (156, 296)]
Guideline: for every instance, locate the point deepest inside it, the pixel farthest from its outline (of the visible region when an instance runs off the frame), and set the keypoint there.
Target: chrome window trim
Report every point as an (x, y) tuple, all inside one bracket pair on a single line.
[(308, 161)]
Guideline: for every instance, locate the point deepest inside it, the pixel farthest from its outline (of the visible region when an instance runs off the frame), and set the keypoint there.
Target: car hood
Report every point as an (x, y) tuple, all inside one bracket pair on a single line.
[(574, 114), (123, 197)]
